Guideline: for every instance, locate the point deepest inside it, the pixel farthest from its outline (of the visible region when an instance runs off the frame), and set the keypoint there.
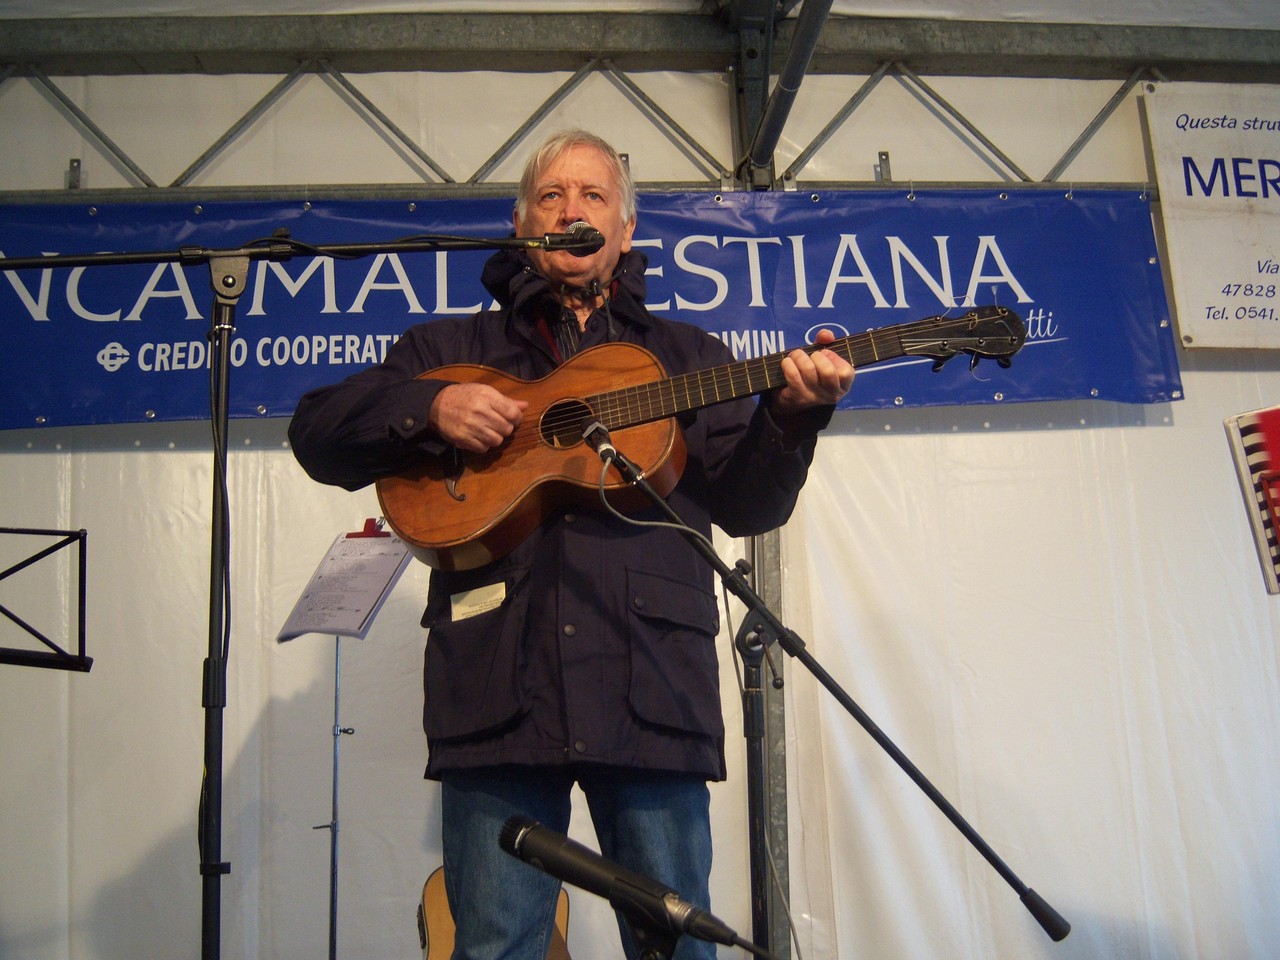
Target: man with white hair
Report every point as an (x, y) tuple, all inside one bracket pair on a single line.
[(594, 662)]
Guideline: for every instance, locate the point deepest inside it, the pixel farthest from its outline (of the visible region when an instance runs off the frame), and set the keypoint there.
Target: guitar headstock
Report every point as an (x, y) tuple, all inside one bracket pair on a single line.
[(994, 332)]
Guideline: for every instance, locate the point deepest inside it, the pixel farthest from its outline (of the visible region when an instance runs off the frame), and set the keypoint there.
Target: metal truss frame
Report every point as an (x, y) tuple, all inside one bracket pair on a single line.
[(716, 173), (738, 37)]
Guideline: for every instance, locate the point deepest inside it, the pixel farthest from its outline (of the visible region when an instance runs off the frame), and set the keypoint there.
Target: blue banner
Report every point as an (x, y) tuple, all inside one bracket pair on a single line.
[(762, 271)]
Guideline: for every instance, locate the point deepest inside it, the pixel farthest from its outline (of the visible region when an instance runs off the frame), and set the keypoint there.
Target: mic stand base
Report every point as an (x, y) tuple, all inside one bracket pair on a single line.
[(655, 943)]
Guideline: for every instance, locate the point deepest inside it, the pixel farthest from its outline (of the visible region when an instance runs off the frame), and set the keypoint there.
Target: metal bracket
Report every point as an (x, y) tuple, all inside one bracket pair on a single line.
[(883, 171)]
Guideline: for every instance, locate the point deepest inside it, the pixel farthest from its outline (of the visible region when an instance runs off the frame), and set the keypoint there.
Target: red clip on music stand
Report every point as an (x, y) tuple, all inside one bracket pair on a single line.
[(372, 528)]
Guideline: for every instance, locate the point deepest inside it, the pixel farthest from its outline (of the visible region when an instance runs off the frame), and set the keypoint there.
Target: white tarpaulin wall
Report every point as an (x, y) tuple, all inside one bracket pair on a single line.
[(1054, 609), (1058, 613)]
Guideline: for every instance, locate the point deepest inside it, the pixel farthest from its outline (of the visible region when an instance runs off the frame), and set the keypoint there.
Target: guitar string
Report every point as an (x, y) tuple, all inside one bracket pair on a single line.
[(660, 399), (656, 400)]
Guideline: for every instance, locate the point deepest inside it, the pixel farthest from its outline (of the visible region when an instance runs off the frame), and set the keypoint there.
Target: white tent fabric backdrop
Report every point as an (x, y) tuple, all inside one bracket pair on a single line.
[(1055, 610), (1058, 613)]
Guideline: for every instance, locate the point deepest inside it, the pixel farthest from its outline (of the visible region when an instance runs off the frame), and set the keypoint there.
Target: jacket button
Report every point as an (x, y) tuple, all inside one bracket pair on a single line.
[(580, 746), (408, 423), (570, 630), (638, 603)]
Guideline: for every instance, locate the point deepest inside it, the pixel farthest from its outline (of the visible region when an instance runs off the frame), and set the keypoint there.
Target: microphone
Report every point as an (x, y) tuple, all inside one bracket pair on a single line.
[(641, 899), (580, 239), (599, 440)]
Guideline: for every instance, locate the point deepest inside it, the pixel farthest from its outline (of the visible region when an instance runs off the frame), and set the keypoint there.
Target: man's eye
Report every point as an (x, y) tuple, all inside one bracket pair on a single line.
[(551, 195)]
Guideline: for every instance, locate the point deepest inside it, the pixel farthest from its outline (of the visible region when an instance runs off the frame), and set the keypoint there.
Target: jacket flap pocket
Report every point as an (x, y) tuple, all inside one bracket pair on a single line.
[(675, 677), (474, 659), (678, 602)]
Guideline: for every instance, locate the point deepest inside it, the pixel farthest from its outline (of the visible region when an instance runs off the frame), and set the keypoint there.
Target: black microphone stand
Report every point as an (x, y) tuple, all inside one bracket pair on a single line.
[(229, 272), (655, 940), (762, 628)]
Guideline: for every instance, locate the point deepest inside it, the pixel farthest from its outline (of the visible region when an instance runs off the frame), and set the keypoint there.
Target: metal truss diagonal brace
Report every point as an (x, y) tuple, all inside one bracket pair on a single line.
[(961, 119), (487, 168), (835, 123), (89, 125), (1096, 124), (244, 122), (387, 123), (697, 154)]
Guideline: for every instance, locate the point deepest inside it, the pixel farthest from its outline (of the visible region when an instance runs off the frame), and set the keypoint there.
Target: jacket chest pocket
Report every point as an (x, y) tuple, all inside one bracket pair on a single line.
[(675, 677), (475, 657)]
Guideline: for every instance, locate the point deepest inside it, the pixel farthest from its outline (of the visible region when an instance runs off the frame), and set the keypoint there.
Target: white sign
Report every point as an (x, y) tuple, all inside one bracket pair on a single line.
[(1216, 149)]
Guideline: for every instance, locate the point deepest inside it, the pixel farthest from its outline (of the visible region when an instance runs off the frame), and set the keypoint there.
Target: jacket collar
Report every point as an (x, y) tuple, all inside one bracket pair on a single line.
[(509, 275)]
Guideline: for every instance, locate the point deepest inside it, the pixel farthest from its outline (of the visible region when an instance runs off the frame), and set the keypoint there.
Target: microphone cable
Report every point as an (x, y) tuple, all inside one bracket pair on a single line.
[(686, 530)]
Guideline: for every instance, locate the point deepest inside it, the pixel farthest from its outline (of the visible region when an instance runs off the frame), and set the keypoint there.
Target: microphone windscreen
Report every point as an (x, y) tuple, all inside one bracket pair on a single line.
[(509, 837)]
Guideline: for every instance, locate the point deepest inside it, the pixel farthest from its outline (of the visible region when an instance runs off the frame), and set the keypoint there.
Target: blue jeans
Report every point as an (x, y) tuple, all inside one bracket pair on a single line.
[(655, 824)]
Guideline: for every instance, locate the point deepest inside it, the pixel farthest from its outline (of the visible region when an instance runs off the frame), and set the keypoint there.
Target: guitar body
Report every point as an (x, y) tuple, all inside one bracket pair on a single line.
[(466, 510), (462, 514), (437, 933)]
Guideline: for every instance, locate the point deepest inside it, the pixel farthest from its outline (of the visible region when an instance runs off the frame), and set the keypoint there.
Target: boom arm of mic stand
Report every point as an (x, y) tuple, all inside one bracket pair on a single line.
[(1053, 923), (283, 247)]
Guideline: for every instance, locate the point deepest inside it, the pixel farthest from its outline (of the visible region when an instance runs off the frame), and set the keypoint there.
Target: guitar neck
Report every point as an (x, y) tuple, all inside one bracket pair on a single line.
[(660, 399)]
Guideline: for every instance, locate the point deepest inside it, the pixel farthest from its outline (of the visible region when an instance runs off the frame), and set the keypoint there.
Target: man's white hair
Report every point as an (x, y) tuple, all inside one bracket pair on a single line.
[(557, 144)]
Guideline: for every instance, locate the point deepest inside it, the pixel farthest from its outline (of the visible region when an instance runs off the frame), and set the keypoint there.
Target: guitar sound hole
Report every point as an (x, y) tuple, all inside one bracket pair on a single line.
[(562, 423)]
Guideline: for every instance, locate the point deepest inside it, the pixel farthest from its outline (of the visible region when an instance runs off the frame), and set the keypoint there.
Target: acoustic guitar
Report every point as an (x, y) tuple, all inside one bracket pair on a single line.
[(436, 931), (465, 510)]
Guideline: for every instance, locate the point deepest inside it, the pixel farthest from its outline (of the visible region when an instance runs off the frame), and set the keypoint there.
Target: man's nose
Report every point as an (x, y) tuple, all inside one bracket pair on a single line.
[(572, 211)]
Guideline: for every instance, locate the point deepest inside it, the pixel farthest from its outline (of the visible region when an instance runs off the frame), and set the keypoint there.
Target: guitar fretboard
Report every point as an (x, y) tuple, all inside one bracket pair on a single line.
[(660, 399)]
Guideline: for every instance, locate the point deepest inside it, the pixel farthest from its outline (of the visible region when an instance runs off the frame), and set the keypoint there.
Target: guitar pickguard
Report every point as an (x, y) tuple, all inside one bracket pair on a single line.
[(456, 466)]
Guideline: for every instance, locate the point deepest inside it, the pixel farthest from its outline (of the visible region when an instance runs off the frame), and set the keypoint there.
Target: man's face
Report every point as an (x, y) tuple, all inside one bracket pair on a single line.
[(577, 185)]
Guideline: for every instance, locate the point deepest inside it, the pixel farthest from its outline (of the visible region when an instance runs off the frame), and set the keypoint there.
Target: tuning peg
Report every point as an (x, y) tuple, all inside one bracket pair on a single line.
[(973, 362), (1005, 362), (940, 362)]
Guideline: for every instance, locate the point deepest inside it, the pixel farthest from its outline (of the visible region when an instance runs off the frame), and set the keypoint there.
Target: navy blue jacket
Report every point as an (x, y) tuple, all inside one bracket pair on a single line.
[(603, 647)]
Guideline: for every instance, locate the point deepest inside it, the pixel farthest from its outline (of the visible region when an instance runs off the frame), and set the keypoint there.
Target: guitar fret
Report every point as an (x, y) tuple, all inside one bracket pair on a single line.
[(659, 399)]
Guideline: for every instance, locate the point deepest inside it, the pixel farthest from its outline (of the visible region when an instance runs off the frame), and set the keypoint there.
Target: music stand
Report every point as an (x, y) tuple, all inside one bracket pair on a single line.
[(55, 658), (342, 598)]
